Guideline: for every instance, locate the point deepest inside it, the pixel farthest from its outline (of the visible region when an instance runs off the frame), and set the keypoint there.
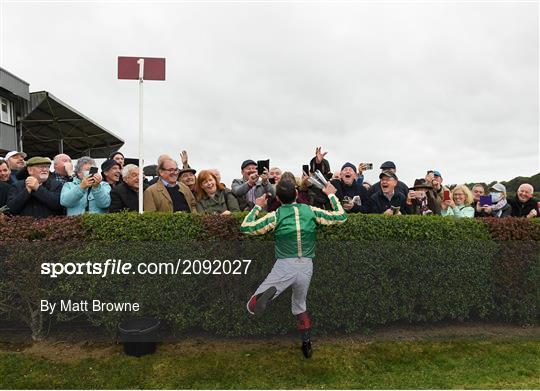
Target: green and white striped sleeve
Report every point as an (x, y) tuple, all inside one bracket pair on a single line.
[(326, 217), (251, 226)]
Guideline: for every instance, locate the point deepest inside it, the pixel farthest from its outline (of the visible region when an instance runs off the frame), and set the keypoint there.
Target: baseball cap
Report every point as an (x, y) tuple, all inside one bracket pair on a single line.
[(247, 163), (13, 153), (388, 174), (498, 187)]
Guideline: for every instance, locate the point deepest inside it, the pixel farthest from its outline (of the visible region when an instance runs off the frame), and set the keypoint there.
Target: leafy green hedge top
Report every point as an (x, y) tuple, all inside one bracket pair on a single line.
[(145, 227), (182, 226)]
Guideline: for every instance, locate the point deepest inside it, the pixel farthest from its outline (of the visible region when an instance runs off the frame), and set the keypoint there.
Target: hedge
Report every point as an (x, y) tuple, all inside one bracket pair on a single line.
[(372, 270)]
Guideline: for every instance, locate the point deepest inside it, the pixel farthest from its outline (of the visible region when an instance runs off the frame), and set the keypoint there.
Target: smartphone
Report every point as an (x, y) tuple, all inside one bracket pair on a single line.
[(485, 200), (272, 181), (368, 166), (446, 196), (305, 169), (93, 170), (261, 165), (395, 209)]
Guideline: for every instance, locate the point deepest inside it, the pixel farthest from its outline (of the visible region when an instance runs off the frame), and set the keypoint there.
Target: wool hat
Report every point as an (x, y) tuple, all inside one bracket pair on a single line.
[(388, 164), (38, 160), (348, 164), (108, 164)]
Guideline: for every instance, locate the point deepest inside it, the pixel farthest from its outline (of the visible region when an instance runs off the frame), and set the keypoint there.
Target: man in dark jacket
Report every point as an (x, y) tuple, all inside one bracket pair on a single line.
[(111, 172), (352, 195), (4, 192), (524, 204), (388, 201), (400, 186), (37, 195), (125, 195)]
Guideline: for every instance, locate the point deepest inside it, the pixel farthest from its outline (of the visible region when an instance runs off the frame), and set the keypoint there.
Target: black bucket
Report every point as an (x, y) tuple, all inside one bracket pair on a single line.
[(139, 335)]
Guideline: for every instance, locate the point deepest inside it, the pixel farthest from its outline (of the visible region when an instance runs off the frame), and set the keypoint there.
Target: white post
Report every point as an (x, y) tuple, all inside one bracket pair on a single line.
[(141, 163)]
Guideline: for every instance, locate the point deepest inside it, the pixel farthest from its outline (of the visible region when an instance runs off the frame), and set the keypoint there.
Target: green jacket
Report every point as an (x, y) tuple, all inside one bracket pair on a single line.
[(295, 226), (223, 200)]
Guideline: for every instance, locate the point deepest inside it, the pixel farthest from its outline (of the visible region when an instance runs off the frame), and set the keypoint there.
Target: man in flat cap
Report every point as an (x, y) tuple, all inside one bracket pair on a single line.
[(250, 187), (388, 201), (187, 176), (37, 195), (400, 186)]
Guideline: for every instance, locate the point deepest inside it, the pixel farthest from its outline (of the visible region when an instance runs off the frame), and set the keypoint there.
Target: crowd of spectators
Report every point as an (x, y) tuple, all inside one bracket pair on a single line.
[(30, 188)]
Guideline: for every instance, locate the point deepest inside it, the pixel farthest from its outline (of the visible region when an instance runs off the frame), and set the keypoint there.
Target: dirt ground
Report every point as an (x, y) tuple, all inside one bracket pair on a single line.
[(67, 350)]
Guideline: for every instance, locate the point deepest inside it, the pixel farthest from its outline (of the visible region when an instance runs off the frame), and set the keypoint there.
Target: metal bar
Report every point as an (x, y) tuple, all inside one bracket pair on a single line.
[(141, 164)]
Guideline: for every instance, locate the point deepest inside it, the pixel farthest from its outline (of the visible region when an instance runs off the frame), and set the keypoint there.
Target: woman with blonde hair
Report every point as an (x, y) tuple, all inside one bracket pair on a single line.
[(212, 196), (459, 204)]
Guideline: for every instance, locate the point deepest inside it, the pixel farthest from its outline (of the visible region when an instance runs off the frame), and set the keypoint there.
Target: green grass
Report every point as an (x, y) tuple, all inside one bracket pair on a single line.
[(461, 364)]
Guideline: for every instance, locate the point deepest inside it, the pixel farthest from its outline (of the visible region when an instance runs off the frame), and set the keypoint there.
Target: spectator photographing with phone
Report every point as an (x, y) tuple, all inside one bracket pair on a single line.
[(420, 200), (458, 205), (498, 207), (252, 185), (478, 191), (87, 193)]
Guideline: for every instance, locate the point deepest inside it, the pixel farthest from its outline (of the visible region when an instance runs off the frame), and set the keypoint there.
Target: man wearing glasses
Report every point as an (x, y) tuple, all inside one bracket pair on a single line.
[(37, 195), (167, 194)]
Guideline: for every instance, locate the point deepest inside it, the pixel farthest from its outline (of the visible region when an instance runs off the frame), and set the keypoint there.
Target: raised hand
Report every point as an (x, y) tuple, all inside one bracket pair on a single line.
[(184, 158), (319, 155)]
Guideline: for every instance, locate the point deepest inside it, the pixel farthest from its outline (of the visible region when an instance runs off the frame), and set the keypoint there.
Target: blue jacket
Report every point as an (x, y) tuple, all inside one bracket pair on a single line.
[(76, 199)]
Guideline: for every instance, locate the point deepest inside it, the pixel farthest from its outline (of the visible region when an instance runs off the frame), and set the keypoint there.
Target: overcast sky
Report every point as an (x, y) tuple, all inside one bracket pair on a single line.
[(451, 86)]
